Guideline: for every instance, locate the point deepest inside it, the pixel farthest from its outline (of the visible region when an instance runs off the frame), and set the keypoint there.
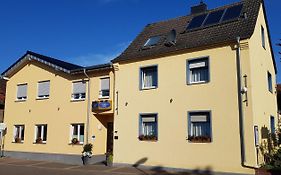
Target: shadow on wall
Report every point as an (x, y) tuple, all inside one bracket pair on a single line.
[(161, 170)]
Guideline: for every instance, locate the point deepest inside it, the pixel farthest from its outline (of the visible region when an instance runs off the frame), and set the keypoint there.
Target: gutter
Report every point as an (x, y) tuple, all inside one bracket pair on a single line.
[(240, 106), (88, 107)]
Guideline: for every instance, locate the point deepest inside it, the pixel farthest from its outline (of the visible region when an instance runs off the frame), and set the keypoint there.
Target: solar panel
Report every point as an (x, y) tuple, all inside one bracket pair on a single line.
[(197, 21), (232, 12), (214, 17)]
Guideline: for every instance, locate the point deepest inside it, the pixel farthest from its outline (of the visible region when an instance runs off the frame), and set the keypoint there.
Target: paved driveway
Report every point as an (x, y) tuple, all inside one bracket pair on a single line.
[(10, 166)]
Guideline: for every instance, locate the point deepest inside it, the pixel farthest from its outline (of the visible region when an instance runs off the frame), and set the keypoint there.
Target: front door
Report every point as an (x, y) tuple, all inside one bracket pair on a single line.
[(109, 147)]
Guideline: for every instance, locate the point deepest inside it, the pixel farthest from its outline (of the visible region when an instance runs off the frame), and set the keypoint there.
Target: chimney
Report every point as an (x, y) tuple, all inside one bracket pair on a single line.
[(202, 7)]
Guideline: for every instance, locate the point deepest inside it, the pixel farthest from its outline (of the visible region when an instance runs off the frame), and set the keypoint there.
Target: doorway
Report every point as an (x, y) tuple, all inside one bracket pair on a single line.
[(109, 143)]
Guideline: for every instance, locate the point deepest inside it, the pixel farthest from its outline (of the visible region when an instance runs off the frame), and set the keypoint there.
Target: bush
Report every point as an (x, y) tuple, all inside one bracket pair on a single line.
[(274, 161)]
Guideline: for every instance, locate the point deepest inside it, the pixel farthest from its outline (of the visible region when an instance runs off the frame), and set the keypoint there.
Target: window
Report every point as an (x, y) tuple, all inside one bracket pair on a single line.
[(198, 71), (104, 87), (269, 81), (152, 41), (43, 89), (40, 133), (79, 90), (199, 127), (22, 92), (148, 127), (18, 133), (149, 77), (77, 133), (272, 124), (262, 37)]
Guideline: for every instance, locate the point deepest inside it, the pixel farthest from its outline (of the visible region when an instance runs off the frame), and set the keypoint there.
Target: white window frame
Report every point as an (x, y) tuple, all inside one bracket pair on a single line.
[(82, 96), (78, 132), (44, 96), (189, 70), (42, 132), (23, 98), (100, 93), (142, 79), (21, 130)]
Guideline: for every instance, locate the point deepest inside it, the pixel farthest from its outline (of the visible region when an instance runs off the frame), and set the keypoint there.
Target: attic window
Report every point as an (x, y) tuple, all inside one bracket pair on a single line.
[(152, 41)]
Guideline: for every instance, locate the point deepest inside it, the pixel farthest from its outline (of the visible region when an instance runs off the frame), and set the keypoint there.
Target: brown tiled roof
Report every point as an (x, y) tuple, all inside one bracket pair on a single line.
[(204, 36), (2, 91)]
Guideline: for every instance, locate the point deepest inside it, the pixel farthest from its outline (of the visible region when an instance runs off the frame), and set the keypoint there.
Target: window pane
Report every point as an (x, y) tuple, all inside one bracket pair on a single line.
[(22, 91), (200, 125), (149, 76), (269, 79), (152, 41), (44, 89), (198, 71), (81, 137), (45, 133)]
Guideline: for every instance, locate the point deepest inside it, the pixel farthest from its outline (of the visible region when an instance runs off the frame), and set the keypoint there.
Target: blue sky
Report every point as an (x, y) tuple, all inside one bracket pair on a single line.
[(88, 32)]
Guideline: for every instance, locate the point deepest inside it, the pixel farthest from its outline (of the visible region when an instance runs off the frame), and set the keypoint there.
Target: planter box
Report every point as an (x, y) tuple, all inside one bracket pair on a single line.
[(267, 172)]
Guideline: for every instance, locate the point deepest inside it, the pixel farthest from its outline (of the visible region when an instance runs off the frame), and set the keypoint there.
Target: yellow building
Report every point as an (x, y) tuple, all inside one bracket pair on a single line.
[(194, 92), (49, 109), (191, 93)]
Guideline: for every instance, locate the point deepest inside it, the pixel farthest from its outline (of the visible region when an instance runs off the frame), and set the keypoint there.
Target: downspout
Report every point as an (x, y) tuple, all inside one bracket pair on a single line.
[(88, 107), (240, 106)]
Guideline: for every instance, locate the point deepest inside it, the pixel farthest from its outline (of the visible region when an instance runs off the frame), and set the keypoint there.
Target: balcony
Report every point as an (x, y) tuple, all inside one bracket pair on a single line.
[(100, 106)]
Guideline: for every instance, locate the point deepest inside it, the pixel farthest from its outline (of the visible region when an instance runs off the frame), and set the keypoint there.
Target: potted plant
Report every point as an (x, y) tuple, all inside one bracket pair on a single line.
[(109, 159), (17, 140), (87, 153), (199, 139), (39, 140), (271, 151), (148, 137), (75, 141)]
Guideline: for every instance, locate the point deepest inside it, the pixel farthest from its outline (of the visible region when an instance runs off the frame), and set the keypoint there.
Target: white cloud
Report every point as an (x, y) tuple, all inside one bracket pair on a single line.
[(90, 59)]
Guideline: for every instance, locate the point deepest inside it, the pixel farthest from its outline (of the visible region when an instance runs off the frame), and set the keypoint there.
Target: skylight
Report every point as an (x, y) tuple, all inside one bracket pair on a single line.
[(152, 41)]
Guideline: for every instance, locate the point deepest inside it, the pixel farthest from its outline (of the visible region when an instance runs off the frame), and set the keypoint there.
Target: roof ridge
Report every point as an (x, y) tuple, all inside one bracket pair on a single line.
[(41, 55)]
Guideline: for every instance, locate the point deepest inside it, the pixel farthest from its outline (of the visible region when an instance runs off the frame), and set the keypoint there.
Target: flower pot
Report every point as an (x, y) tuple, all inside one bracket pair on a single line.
[(85, 160)]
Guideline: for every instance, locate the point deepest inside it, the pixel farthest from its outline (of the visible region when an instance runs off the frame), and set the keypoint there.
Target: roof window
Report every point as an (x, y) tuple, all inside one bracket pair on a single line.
[(152, 41)]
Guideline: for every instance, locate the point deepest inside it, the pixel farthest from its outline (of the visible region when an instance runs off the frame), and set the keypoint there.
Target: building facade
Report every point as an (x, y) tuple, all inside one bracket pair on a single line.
[(194, 90), (188, 93), (53, 115)]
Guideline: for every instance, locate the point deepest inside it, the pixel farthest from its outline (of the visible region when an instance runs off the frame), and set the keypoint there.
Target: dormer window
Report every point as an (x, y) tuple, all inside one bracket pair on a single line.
[(152, 41)]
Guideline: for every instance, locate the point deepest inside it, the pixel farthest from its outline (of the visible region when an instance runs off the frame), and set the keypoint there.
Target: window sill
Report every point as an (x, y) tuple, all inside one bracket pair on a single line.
[(149, 88), (148, 140), (77, 100), (43, 143), (20, 100), (199, 141), (42, 98), (102, 98), (198, 83), (18, 142), (77, 144)]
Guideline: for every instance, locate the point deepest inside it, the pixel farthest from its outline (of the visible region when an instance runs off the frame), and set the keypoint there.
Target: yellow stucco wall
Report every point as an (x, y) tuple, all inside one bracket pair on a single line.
[(264, 103), (219, 96), (58, 112)]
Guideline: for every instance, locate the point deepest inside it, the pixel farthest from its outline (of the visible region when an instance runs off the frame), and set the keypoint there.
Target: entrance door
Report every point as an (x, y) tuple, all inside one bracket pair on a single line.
[(109, 146)]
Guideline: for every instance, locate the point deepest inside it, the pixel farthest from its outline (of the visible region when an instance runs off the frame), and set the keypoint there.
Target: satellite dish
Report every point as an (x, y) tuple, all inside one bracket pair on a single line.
[(171, 38)]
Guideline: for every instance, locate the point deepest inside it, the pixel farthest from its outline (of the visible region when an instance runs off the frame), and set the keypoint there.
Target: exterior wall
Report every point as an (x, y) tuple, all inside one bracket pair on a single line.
[(58, 112), (264, 103), (1, 115), (172, 148)]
